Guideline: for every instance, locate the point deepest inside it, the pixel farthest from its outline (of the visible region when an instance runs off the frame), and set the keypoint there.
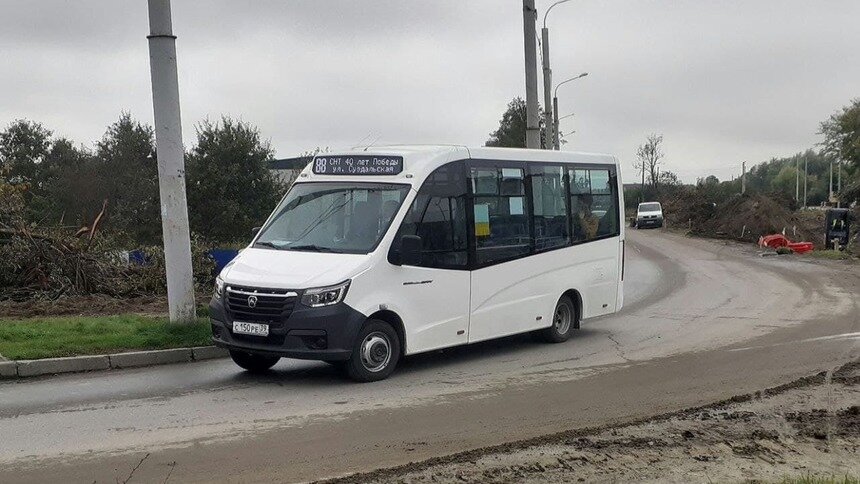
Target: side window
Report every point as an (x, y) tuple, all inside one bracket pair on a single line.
[(438, 216), (593, 203), (501, 213), (550, 208)]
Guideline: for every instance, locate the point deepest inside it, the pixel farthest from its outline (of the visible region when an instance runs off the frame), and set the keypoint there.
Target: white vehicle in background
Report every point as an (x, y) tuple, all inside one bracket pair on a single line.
[(649, 214), (374, 255)]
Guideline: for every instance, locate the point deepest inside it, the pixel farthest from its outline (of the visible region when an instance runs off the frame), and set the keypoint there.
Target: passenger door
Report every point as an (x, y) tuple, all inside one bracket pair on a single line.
[(436, 291), (506, 298)]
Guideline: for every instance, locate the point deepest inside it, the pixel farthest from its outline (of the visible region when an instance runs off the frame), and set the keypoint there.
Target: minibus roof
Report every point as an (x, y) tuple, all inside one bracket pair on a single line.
[(418, 161)]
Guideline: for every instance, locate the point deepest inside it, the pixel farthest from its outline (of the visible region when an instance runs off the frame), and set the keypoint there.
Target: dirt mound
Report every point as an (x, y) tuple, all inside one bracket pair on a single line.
[(745, 217)]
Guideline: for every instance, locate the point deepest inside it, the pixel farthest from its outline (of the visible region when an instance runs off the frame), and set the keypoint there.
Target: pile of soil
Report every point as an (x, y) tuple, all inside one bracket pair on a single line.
[(745, 217)]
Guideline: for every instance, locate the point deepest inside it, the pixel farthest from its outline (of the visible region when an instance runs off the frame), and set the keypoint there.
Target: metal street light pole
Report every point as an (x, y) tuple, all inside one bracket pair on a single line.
[(171, 163), (549, 108), (556, 140), (555, 137), (532, 117)]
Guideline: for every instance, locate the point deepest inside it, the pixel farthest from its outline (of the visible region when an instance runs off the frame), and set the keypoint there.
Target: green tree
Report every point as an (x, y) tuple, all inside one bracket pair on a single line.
[(230, 187), (24, 145), (74, 185), (669, 178), (128, 178), (512, 127), (842, 133), (785, 181)]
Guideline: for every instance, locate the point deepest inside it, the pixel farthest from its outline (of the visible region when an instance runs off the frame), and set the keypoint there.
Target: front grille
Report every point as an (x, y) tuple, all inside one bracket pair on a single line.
[(259, 304)]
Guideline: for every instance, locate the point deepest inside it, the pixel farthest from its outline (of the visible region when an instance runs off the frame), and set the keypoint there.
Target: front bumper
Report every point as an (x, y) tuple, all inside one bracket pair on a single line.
[(326, 333), (649, 222)]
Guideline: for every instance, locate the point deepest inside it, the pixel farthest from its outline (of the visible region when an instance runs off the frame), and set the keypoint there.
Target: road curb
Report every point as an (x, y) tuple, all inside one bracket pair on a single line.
[(150, 358), (115, 361)]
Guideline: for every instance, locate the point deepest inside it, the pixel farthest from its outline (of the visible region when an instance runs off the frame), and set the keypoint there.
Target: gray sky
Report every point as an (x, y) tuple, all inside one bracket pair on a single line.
[(723, 81)]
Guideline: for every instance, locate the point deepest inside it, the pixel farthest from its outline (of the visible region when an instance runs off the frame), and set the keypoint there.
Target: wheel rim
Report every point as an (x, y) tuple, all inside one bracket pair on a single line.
[(375, 351), (562, 319)]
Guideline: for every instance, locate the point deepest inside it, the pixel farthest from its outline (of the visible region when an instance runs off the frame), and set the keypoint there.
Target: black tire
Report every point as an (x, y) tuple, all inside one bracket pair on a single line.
[(564, 321), (252, 362), (376, 352)]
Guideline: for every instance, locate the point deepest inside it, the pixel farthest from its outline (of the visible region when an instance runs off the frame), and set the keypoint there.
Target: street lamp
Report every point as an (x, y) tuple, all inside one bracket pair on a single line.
[(547, 77), (555, 140)]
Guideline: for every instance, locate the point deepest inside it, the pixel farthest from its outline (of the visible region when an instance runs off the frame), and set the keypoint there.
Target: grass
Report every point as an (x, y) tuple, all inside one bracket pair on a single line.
[(36, 338), (831, 254)]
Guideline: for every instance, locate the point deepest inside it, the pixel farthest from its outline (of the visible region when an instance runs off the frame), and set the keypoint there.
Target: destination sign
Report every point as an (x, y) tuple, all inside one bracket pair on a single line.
[(358, 165)]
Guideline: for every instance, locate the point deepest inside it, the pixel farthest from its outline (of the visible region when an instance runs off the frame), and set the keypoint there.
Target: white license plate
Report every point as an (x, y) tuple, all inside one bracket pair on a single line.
[(254, 329)]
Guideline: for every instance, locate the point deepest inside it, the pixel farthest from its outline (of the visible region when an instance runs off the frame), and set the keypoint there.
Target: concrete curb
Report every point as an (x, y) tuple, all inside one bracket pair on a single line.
[(74, 364)]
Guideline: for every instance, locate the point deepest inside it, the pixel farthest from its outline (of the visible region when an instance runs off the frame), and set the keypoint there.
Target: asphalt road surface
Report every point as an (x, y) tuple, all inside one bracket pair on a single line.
[(703, 321)]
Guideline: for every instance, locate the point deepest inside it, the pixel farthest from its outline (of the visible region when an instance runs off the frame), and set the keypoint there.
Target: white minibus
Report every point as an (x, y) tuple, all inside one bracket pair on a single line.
[(378, 253)]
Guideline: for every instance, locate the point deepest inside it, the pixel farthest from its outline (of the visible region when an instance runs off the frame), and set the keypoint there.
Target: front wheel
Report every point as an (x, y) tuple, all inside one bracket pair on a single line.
[(563, 322), (376, 352), (252, 362)]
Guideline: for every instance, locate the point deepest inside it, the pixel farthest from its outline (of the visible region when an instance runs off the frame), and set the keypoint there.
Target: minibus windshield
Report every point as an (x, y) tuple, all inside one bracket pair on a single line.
[(333, 217), (649, 207)]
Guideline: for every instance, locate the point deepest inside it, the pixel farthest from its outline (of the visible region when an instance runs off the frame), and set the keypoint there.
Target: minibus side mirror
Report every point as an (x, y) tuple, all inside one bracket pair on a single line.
[(410, 250), (255, 230)]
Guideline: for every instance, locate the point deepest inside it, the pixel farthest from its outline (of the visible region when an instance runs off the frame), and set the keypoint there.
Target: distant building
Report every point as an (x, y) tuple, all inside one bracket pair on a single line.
[(288, 169)]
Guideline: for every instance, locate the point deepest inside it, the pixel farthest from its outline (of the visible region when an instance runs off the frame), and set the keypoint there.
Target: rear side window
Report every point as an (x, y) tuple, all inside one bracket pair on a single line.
[(550, 208), (438, 216), (593, 204)]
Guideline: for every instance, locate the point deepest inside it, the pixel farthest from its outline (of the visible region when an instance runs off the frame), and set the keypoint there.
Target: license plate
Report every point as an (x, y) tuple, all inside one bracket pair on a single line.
[(254, 329)]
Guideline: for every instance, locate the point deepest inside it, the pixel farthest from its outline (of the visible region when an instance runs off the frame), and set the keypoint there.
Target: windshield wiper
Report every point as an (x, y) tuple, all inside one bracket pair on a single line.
[(266, 243), (312, 248)]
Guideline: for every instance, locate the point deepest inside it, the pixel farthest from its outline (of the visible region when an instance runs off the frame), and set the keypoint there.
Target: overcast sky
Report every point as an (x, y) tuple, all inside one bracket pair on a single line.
[(723, 81)]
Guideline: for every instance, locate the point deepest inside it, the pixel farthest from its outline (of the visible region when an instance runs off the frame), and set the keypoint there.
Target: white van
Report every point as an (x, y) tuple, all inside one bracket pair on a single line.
[(376, 254), (649, 214)]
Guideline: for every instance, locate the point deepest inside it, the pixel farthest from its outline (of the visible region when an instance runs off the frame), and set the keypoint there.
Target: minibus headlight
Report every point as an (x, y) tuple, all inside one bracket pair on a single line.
[(219, 287), (325, 296)]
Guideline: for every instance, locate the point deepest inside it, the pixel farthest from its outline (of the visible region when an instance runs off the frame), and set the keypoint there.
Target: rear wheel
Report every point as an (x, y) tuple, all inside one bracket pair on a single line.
[(252, 362), (376, 352), (563, 321)]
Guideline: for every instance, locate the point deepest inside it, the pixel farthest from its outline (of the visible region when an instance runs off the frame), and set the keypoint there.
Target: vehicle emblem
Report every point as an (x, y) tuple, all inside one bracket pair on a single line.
[(252, 301)]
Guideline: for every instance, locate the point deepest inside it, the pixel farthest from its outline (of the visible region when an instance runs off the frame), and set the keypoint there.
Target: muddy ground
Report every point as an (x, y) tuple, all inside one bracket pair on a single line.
[(809, 427)]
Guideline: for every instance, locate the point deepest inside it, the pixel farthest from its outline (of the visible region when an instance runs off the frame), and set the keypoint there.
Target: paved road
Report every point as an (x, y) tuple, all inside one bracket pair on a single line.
[(703, 321)]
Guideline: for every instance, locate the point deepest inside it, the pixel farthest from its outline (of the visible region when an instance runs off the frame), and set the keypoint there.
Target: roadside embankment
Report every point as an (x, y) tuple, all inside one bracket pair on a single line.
[(806, 429)]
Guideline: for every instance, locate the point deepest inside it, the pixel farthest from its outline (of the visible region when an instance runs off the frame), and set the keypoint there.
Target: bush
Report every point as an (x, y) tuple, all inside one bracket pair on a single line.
[(52, 263)]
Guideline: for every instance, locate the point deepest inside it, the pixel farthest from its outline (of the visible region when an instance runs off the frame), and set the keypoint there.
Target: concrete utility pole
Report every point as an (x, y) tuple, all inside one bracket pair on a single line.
[(555, 128), (805, 176), (743, 177), (830, 197), (839, 184), (547, 90), (171, 163), (532, 118), (796, 179)]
